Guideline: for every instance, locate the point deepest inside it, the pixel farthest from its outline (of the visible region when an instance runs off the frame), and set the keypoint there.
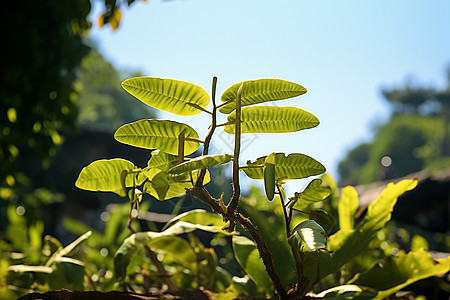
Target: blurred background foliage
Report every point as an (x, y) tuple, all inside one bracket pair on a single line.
[(416, 137)]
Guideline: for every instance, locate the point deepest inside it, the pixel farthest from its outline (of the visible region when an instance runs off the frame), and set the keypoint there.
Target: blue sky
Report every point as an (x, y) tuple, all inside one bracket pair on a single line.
[(343, 52)]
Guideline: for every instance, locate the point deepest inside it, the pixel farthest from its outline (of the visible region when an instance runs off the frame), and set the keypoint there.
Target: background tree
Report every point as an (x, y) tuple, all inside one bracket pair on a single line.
[(45, 44), (102, 101), (416, 137)]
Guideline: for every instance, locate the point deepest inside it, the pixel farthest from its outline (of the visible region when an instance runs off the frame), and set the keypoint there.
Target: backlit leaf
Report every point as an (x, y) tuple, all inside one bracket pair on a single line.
[(160, 161), (346, 244), (314, 192), (347, 207), (400, 271), (174, 96), (272, 119), (258, 91), (200, 162), (105, 175), (308, 236), (158, 134), (164, 186), (294, 166)]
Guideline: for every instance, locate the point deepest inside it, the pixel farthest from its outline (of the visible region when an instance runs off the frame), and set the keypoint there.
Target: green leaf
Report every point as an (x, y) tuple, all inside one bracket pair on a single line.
[(248, 257), (58, 255), (178, 97), (400, 271), (160, 161), (308, 236), (158, 134), (272, 119), (164, 186), (314, 192), (200, 162), (25, 268), (348, 292), (323, 218), (346, 244), (294, 166), (347, 207), (199, 217), (177, 248), (258, 91), (105, 175), (129, 246)]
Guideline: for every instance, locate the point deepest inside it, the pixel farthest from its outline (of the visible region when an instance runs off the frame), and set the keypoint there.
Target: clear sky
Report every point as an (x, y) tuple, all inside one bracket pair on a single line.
[(343, 52)]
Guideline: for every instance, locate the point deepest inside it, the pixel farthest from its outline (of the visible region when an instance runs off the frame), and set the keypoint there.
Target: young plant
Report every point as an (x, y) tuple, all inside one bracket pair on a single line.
[(306, 246)]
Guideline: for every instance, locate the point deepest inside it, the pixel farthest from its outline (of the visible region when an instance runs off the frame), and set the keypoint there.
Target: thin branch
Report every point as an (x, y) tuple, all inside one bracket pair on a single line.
[(181, 147), (297, 257), (210, 134), (234, 202), (199, 108), (287, 220), (224, 103)]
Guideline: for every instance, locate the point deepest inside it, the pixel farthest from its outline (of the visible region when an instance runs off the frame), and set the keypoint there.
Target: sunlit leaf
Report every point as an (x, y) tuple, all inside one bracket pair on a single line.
[(201, 162), (400, 271), (294, 166), (314, 192), (164, 186), (347, 207), (104, 175), (199, 217), (248, 257), (178, 97), (258, 91), (160, 161), (26, 268), (158, 134), (308, 236), (348, 291), (346, 244), (272, 119)]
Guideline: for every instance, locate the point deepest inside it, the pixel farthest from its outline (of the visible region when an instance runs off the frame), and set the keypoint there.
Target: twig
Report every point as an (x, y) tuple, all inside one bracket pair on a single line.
[(208, 138), (234, 202)]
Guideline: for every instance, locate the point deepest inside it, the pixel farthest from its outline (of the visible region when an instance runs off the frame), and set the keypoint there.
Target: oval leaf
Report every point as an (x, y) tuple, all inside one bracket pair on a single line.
[(308, 236), (314, 192), (272, 119), (201, 162), (158, 134), (178, 97), (105, 175), (294, 166), (258, 91)]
